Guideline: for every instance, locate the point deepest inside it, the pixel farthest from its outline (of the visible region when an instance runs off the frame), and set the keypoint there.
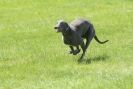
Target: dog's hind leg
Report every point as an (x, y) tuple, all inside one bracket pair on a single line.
[(88, 40), (89, 36), (83, 49)]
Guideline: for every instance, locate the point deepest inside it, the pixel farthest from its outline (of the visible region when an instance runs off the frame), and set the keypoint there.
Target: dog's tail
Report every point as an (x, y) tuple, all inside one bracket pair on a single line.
[(96, 38)]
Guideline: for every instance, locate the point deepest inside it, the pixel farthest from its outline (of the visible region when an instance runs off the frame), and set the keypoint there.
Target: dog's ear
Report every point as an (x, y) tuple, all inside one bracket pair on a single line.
[(59, 21)]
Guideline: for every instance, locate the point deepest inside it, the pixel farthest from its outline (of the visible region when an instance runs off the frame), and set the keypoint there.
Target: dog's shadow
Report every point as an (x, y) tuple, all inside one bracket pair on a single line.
[(94, 59)]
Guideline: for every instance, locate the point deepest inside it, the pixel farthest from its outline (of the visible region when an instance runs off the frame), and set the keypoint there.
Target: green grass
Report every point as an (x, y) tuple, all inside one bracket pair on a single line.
[(33, 56)]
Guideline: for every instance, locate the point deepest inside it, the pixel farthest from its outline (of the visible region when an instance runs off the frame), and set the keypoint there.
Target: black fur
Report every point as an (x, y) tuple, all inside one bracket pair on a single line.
[(75, 33)]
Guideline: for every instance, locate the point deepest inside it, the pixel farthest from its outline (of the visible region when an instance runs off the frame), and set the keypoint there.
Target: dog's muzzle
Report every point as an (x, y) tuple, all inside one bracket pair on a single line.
[(56, 27)]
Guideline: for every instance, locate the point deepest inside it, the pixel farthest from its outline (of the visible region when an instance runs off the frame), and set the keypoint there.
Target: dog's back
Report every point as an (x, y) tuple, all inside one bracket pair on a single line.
[(81, 25)]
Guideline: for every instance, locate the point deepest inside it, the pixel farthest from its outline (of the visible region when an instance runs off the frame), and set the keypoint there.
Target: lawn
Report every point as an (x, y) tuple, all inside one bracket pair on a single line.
[(33, 56)]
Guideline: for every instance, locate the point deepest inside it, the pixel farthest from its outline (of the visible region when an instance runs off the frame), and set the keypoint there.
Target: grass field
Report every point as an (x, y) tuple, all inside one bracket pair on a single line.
[(33, 56)]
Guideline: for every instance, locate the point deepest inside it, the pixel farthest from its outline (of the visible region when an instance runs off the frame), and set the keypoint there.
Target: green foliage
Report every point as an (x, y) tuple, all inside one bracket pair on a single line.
[(33, 56)]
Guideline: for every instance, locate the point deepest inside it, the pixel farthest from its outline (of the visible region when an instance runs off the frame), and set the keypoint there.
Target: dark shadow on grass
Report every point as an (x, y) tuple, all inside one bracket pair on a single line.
[(94, 59)]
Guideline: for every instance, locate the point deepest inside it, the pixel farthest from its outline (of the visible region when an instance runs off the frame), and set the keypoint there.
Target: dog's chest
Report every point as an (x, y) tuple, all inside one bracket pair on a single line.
[(72, 40)]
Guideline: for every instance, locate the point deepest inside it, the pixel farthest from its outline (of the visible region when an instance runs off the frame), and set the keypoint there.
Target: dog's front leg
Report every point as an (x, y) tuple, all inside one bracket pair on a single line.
[(76, 51), (72, 50)]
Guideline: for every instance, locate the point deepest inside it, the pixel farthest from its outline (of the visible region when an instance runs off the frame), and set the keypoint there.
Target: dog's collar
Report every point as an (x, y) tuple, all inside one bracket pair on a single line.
[(68, 28), (66, 32)]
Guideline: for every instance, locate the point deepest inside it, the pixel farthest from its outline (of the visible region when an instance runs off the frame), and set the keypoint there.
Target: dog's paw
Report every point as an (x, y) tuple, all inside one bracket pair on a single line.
[(70, 52), (76, 52)]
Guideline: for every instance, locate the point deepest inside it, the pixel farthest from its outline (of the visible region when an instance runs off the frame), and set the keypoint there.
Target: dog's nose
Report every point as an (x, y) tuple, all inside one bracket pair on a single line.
[(55, 27)]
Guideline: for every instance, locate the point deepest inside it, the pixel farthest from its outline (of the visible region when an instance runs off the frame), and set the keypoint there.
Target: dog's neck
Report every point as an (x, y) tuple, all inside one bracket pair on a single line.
[(67, 31)]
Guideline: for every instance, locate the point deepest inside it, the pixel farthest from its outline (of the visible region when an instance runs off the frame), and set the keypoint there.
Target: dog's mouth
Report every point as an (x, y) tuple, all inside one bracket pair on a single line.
[(57, 29)]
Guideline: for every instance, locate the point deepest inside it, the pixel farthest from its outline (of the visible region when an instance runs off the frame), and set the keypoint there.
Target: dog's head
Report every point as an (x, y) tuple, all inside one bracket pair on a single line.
[(61, 26)]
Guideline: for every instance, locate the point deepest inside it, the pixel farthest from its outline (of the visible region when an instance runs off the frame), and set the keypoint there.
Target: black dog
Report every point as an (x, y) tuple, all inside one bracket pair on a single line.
[(75, 33)]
